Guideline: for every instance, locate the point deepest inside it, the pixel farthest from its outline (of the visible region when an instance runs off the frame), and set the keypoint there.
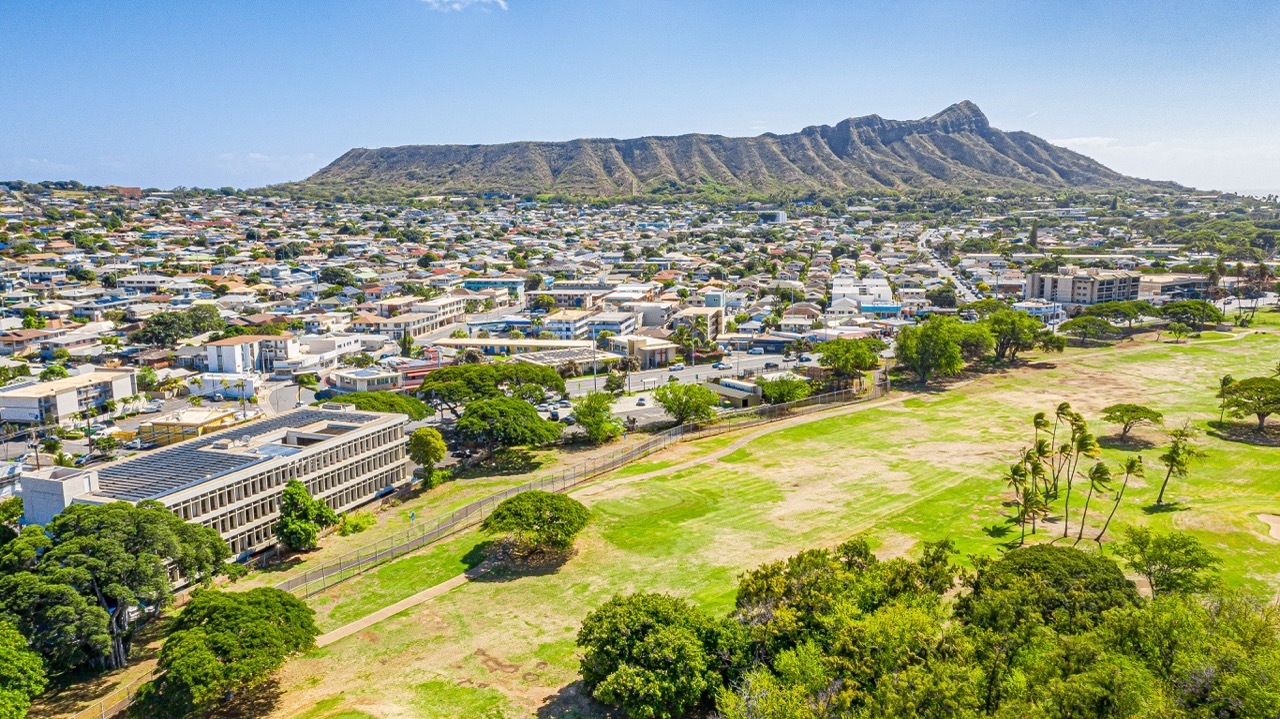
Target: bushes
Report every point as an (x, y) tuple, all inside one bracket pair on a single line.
[(386, 402), (356, 522)]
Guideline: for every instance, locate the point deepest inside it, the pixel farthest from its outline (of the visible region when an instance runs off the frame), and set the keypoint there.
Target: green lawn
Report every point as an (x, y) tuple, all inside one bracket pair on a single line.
[(922, 469)]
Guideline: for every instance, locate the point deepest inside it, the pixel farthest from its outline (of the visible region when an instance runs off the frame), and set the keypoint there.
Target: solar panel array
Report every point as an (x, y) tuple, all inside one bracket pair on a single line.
[(157, 473)]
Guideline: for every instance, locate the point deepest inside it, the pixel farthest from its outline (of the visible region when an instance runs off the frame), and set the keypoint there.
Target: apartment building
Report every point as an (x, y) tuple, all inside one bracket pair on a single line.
[(231, 480), (413, 324), (57, 401), (1073, 285), (568, 324), (250, 353), (513, 286)]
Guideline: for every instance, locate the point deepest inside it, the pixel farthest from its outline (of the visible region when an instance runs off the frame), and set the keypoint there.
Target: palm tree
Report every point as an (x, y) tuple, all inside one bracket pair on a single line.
[(1178, 458), (1224, 385), (199, 384), (1099, 477), (1084, 446), (1035, 506), (1016, 479), (1040, 421), (628, 365), (1132, 468), (1063, 411)]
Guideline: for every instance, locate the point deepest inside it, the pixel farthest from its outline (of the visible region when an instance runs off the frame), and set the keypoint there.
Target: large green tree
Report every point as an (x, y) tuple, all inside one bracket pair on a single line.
[(686, 402), (222, 644), (594, 414), (538, 521), (21, 673), (115, 558), (427, 447), (506, 422), (1257, 396), (931, 349), (301, 517)]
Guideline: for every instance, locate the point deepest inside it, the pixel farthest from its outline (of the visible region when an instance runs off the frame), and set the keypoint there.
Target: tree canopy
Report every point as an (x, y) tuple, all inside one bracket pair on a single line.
[(21, 673), (1129, 416), (301, 517), (78, 587), (386, 402), (1044, 631), (224, 643), (506, 422), (1257, 396), (427, 447), (454, 386), (594, 414), (784, 389), (687, 402), (166, 328), (538, 521)]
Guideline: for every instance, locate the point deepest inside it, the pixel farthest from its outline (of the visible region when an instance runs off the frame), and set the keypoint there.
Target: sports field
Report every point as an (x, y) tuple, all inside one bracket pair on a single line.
[(913, 468)]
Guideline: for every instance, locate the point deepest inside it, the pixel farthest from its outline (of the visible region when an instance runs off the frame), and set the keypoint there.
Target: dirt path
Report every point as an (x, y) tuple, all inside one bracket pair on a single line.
[(1272, 521)]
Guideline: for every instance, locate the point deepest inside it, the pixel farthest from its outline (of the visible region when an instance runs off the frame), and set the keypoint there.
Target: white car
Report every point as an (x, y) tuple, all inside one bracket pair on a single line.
[(151, 408)]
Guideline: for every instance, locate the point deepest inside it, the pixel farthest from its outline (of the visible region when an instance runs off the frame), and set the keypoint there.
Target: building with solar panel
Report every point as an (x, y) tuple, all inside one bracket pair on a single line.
[(232, 480)]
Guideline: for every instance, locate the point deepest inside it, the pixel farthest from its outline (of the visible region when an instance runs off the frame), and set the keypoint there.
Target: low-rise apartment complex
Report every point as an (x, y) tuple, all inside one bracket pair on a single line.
[(1073, 285), (59, 400)]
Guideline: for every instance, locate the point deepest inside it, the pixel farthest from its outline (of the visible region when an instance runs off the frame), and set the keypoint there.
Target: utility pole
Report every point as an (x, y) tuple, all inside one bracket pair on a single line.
[(595, 365)]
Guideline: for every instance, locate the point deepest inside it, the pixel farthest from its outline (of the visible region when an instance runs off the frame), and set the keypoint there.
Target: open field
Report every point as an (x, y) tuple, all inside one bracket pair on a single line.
[(924, 468)]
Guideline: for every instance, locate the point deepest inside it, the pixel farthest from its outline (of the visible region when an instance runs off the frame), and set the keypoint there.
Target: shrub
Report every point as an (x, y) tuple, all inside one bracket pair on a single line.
[(356, 522)]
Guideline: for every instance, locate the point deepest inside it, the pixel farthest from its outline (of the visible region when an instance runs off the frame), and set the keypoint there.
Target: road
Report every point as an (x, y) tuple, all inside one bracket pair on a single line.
[(740, 360), (967, 293)]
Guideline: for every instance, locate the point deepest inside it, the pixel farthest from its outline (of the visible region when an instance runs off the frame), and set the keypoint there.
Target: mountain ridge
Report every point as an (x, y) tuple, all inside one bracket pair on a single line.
[(956, 147)]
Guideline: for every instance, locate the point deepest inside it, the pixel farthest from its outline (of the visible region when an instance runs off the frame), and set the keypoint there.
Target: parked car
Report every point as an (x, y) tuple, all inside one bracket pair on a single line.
[(564, 403), (151, 408), (722, 365), (771, 365), (217, 397), (544, 407), (806, 358), (641, 402), (570, 419), (97, 428), (555, 415), (675, 367), (756, 351), (728, 352)]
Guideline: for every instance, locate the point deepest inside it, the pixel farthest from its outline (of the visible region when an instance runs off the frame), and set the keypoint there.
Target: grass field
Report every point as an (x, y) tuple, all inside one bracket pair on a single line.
[(925, 468)]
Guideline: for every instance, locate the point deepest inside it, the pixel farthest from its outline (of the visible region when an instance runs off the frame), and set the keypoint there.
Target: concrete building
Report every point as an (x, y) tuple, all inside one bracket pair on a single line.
[(568, 324), (1072, 285), (367, 379), (57, 401), (231, 480), (1174, 286), (184, 424), (250, 353), (514, 286), (414, 324)]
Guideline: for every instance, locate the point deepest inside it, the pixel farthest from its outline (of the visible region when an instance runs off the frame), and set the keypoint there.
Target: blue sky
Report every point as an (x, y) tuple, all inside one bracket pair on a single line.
[(243, 93)]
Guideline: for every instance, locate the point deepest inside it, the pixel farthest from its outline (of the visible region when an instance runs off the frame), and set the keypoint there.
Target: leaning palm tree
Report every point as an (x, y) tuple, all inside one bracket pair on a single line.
[(1016, 479), (1099, 479), (1041, 422), (1132, 468), (1178, 458), (1063, 412)]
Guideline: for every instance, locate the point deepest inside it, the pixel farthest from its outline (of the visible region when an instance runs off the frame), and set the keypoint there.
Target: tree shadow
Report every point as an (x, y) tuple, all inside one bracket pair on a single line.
[(258, 701), (999, 531), (499, 561), (1165, 508), (514, 460), (573, 701), (1125, 444), (1242, 433)]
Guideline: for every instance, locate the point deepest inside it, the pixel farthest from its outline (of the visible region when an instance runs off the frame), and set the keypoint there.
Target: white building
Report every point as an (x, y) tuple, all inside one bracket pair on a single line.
[(231, 480), (250, 353), (57, 401)]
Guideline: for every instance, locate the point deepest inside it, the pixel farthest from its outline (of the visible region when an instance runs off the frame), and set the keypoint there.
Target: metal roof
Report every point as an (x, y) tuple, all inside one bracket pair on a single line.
[(155, 474)]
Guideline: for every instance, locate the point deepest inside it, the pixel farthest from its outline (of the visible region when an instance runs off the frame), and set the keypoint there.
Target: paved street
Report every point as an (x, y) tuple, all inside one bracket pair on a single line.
[(652, 378)]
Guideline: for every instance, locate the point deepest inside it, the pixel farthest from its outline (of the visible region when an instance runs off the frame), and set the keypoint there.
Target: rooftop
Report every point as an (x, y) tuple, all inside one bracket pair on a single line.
[(45, 389), (164, 471)]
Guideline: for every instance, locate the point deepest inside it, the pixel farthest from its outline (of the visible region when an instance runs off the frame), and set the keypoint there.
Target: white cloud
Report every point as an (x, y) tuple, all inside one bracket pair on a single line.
[(459, 5)]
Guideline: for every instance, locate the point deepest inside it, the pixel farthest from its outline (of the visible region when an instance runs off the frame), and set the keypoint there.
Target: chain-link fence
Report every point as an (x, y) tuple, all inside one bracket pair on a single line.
[(364, 558), (118, 700)]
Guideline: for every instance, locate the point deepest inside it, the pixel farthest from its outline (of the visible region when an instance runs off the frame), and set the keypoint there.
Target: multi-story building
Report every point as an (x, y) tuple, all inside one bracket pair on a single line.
[(413, 324), (514, 286), (58, 401), (568, 324), (1073, 285), (619, 323), (231, 480), (250, 353)]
